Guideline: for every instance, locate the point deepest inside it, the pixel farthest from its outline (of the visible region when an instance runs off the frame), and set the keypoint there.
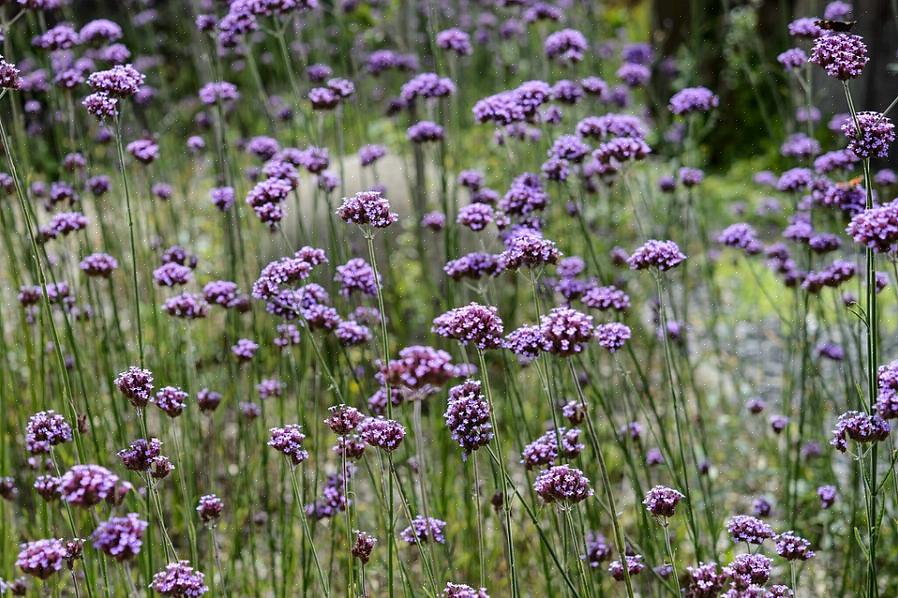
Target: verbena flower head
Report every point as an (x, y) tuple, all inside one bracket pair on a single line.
[(425, 131), (385, 434), (343, 419), (121, 81), (120, 537), (172, 400), (460, 590), (618, 151), (137, 385), (475, 216), (562, 483), (567, 45), (475, 324), (860, 427), (101, 106), (367, 208), (635, 566), (663, 255), (748, 529), (527, 248), (793, 547), (99, 264), (41, 558), (86, 485), (693, 99), (741, 236), (179, 580), (612, 335), (842, 55), (424, 530), (704, 580), (876, 228), (140, 454), (44, 430), (288, 440), (418, 367), (565, 331), (9, 75), (662, 501), (363, 545), (827, 495), (468, 416), (876, 134), (546, 449), (427, 86), (526, 342), (456, 41), (793, 59), (187, 306), (209, 509), (357, 275), (747, 570)]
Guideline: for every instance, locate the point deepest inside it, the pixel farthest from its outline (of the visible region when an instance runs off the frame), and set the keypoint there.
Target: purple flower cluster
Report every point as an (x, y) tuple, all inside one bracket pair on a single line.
[(562, 483), (663, 255), (44, 430), (662, 501), (475, 324), (842, 55), (41, 558), (424, 530), (860, 427), (545, 450), (357, 275), (209, 509), (288, 440), (86, 485), (367, 208), (612, 335), (468, 416), (180, 580), (693, 99), (793, 547), (748, 529), (871, 137), (120, 537), (385, 434), (418, 367), (876, 228), (136, 384), (171, 399)]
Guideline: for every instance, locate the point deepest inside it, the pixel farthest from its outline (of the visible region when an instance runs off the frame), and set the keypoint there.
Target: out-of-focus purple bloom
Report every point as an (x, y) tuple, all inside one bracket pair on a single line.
[(793, 59), (693, 99), (567, 46), (209, 509), (86, 485), (41, 558), (634, 567), (455, 40), (120, 537), (827, 496), (424, 530)]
